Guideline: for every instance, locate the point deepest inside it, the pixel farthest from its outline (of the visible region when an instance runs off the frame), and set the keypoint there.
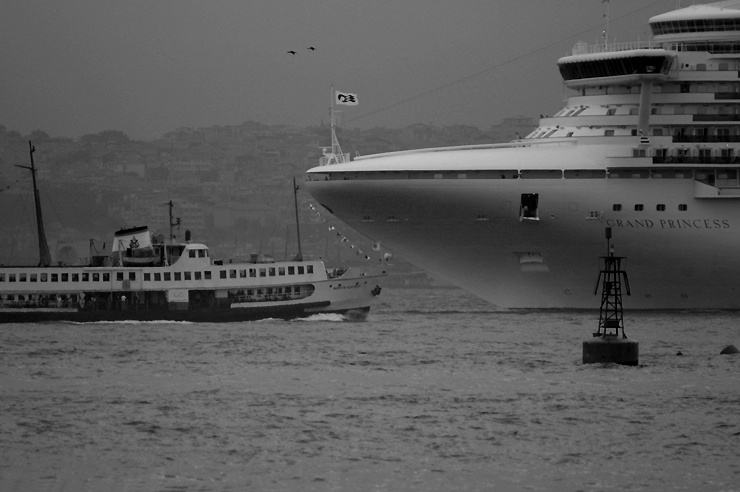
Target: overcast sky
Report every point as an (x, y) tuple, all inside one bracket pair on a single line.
[(72, 67)]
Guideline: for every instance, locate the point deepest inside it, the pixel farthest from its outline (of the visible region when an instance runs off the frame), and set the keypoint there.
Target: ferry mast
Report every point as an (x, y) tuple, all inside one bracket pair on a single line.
[(44, 256)]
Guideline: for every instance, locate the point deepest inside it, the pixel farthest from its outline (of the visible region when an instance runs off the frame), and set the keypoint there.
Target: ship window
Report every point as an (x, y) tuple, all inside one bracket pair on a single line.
[(309, 268), (570, 134), (106, 277), (207, 275), (252, 272), (65, 277), (2, 277), (232, 273), (263, 272), (167, 276), (243, 273), (660, 207), (85, 277), (639, 207), (202, 253), (222, 274), (585, 173), (197, 275), (11, 277), (33, 277), (147, 277), (723, 66), (157, 277), (178, 276), (617, 207), (191, 253), (272, 271), (21, 277), (611, 111), (608, 133), (291, 270), (701, 67), (131, 276), (96, 277), (300, 270), (682, 207), (281, 271), (657, 132), (119, 277), (75, 277)]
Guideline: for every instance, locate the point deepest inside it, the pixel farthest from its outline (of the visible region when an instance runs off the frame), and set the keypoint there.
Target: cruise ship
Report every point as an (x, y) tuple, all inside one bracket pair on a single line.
[(646, 146)]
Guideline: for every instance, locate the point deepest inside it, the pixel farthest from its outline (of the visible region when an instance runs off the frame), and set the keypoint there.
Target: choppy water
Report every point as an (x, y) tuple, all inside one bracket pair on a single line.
[(435, 392)]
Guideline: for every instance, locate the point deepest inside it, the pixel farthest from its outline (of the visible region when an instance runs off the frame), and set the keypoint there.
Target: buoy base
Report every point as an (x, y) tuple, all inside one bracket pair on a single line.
[(610, 348)]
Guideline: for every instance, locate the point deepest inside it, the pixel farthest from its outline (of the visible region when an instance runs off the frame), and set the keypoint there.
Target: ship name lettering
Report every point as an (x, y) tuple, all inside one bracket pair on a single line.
[(670, 223)]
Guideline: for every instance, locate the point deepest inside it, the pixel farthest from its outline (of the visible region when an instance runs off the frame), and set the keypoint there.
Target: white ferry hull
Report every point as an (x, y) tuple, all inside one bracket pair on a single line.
[(468, 232)]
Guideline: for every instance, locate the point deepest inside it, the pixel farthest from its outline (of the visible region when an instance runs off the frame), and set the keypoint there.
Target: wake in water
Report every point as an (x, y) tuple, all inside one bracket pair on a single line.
[(128, 322), (324, 317)]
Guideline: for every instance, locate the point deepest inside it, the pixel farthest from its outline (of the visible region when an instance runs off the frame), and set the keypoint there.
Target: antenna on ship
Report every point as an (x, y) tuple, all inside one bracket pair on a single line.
[(299, 256), (173, 222), (44, 256), (606, 32)]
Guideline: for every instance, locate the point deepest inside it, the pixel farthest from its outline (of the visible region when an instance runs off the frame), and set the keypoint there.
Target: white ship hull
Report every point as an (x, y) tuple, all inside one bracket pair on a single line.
[(468, 232)]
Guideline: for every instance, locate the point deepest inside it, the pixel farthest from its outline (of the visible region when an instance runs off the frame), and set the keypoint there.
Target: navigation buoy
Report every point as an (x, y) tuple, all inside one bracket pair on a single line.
[(730, 349), (609, 343)]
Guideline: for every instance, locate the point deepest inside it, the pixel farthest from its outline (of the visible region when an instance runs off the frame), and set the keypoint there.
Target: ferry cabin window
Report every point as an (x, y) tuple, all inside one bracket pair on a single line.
[(291, 270), (188, 276), (157, 277), (243, 273), (207, 275), (202, 253), (85, 277), (106, 277), (281, 271), (639, 207), (263, 272), (33, 277), (132, 275), (167, 276), (119, 277), (617, 207), (222, 274), (272, 271), (147, 277), (300, 270), (683, 207), (192, 253), (2, 277), (252, 272), (197, 275), (65, 277), (178, 276), (232, 273), (660, 207), (75, 277), (11, 277), (96, 277), (55, 277), (309, 268), (21, 277)]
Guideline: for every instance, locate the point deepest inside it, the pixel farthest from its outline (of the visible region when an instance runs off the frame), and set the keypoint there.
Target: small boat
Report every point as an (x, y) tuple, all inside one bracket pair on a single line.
[(147, 279)]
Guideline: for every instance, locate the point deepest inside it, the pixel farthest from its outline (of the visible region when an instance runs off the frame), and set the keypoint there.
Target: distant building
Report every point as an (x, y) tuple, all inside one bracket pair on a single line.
[(512, 129)]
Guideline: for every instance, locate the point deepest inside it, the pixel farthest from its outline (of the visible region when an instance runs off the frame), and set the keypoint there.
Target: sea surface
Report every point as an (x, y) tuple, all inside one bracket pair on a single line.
[(436, 391)]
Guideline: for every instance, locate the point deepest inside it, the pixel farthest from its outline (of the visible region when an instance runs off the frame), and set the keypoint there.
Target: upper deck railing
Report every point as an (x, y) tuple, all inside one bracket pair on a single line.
[(583, 48)]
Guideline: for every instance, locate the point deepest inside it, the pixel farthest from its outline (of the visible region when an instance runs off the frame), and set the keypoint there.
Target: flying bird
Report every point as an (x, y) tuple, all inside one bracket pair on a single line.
[(292, 52), (311, 48)]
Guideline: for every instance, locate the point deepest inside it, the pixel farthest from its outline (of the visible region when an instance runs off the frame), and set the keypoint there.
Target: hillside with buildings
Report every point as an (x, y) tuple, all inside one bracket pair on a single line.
[(230, 186)]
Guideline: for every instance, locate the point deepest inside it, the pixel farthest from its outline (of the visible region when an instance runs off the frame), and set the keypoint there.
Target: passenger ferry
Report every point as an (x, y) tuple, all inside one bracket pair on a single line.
[(646, 145), (146, 278)]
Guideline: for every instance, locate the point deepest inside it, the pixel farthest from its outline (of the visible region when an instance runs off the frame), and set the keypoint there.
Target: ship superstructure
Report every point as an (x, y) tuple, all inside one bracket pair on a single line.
[(648, 143)]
